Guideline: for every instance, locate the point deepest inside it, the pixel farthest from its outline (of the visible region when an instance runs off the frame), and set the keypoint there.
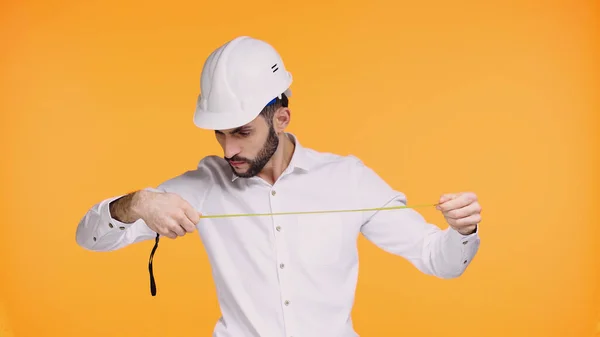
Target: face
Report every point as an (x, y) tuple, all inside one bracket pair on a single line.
[(249, 148)]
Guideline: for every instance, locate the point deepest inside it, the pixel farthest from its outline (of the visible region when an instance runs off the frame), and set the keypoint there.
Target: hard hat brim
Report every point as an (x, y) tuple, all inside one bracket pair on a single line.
[(222, 121)]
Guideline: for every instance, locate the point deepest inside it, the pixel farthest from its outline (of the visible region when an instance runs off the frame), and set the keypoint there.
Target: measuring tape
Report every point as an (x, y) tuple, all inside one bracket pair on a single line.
[(313, 212), (217, 216)]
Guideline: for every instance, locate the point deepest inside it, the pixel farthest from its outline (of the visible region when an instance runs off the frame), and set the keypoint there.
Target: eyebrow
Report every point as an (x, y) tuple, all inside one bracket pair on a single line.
[(237, 130)]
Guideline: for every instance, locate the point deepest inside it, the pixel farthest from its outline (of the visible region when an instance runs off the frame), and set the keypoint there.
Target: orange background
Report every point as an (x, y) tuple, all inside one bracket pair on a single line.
[(498, 98)]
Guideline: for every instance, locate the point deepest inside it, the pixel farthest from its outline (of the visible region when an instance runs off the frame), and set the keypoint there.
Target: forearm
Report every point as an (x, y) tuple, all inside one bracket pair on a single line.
[(100, 230), (441, 253), (406, 233), (126, 208)]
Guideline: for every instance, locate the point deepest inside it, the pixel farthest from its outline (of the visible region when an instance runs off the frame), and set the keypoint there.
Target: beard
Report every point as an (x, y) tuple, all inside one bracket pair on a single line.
[(262, 158)]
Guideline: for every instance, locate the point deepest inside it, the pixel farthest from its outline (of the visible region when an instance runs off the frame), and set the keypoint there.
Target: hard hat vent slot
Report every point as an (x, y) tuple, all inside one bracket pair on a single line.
[(275, 66)]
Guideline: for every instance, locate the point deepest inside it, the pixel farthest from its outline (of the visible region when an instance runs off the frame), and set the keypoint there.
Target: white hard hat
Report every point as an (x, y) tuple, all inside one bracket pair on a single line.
[(238, 80)]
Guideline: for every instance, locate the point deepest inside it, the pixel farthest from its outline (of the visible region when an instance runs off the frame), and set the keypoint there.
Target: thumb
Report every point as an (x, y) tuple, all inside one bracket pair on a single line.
[(444, 198)]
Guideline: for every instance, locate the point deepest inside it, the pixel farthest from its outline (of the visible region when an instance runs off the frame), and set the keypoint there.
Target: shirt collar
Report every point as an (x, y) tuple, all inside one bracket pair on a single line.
[(300, 159)]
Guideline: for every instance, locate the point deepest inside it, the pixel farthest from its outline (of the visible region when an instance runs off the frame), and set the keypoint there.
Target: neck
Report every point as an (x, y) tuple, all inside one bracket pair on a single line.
[(280, 160)]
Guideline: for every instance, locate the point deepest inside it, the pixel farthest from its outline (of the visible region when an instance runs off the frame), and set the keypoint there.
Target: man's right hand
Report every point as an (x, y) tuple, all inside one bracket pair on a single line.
[(165, 213)]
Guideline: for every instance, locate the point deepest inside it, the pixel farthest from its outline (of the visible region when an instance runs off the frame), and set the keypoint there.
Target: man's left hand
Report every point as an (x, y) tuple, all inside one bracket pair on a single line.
[(461, 210)]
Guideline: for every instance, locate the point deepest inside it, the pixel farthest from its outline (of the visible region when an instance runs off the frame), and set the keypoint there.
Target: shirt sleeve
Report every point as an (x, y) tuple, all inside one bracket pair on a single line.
[(404, 232), (99, 231)]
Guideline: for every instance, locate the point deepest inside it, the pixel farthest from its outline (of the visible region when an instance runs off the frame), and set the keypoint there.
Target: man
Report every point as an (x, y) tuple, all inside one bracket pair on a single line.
[(279, 275)]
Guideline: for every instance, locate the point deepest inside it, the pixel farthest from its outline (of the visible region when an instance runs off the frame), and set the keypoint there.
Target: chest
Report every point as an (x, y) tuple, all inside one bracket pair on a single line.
[(313, 237)]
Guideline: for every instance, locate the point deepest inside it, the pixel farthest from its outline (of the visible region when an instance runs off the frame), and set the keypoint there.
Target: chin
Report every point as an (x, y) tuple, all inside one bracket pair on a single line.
[(240, 172)]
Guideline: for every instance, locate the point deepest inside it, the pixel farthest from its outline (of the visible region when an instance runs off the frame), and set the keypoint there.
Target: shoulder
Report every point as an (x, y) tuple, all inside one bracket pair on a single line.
[(353, 174), (194, 184), (347, 163), (209, 170), (346, 170), (347, 166)]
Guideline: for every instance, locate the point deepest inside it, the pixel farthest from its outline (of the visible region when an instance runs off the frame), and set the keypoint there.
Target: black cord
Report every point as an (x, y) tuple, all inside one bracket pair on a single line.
[(152, 282)]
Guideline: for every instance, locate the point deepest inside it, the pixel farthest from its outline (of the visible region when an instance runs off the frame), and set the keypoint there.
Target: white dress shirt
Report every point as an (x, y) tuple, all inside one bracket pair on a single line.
[(292, 275)]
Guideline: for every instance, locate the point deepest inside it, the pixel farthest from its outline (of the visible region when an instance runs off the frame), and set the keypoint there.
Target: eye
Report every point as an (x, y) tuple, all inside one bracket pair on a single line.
[(244, 133)]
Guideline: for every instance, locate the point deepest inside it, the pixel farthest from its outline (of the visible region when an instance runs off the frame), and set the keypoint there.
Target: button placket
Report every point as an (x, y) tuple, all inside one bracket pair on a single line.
[(281, 259)]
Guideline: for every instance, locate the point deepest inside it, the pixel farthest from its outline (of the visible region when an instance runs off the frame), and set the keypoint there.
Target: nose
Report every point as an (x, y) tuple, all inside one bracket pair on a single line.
[(230, 147)]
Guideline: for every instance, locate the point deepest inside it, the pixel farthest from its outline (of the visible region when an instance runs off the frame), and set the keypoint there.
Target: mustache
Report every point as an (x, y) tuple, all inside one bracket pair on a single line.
[(237, 158)]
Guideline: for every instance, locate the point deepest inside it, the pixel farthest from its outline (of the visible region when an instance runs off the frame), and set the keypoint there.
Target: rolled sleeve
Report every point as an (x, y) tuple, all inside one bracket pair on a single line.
[(99, 231), (107, 223)]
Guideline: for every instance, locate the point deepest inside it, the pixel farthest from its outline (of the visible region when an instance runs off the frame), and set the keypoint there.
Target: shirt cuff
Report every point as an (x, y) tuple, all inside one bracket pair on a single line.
[(469, 244), (108, 224)]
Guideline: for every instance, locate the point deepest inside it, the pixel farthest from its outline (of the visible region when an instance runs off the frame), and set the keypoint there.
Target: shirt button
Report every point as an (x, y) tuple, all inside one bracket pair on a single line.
[(465, 261), (281, 265), (94, 238), (286, 302), (110, 225), (273, 192), (278, 228), (465, 242)]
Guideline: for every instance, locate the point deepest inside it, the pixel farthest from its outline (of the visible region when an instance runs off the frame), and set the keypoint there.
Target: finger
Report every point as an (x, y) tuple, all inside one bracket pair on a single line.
[(176, 228), (444, 198), (463, 212), (183, 219), (459, 201), (447, 197), (172, 235), (471, 220), (187, 225), (168, 233), (192, 214)]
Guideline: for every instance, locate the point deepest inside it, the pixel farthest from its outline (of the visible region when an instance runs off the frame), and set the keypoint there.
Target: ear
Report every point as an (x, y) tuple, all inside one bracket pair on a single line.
[(281, 119)]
